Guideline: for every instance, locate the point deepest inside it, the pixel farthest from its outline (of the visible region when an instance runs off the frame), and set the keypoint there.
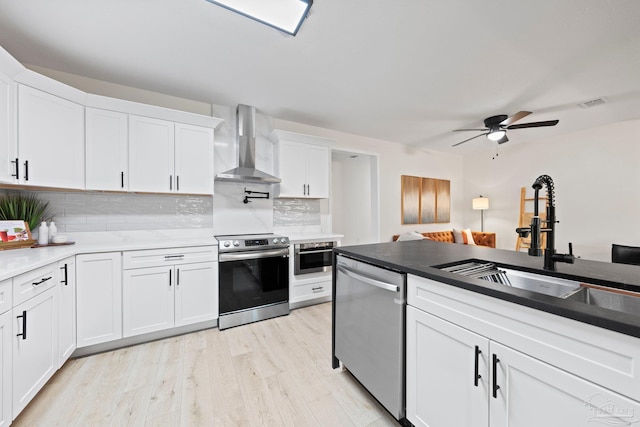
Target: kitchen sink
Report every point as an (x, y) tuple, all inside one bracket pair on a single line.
[(533, 282), (626, 303)]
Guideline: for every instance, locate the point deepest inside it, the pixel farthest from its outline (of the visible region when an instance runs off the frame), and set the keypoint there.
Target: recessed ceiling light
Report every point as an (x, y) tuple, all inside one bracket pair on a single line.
[(284, 15)]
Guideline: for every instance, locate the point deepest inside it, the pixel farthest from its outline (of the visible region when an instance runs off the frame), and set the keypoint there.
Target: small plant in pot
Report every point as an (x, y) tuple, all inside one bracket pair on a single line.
[(27, 207)]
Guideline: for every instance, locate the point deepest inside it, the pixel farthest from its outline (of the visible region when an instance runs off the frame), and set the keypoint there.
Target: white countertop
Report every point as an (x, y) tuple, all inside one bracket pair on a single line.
[(18, 261)]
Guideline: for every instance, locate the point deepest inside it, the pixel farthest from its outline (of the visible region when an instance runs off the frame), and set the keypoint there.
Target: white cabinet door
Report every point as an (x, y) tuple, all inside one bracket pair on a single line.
[(533, 394), (50, 140), (6, 340), (196, 293), (447, 373), (107, 144), (318, 167), (193, 159), (151, 155), (147, 300), (35, 339), (99, 298), (67, 309), (292, 169), (8, 143)]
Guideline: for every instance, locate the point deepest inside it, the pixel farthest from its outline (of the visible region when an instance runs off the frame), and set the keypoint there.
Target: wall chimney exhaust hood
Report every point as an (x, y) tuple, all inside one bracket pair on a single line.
[(246, 145)]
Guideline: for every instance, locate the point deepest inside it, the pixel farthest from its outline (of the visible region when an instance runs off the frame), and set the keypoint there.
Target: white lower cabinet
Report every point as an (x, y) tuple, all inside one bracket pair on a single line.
[(458, 377), (66, 309), (6, 338), (99, 298), (35, 346), (167, 288)]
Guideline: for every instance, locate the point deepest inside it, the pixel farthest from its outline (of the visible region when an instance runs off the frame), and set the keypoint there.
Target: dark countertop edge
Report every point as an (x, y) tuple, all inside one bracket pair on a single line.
[(595, 316)]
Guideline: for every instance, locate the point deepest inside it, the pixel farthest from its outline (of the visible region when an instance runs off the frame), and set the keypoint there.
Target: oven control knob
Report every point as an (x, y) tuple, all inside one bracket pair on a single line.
[(283, 240), (236, 243), (226, 243)]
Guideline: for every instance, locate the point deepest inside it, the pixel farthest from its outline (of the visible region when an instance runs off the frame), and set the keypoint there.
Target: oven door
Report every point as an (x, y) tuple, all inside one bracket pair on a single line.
[(253, 279), (312, 260)]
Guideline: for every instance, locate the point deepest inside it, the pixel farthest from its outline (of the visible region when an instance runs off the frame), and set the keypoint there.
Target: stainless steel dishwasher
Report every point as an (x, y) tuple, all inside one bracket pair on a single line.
[(368, 329)]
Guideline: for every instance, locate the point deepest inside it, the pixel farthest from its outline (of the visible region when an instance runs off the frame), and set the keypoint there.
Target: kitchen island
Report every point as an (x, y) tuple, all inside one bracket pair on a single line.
[(510, 356)]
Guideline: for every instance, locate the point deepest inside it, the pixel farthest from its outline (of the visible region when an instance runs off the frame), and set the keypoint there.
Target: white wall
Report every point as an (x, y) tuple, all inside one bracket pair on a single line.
[(597, 181), (396, 160)]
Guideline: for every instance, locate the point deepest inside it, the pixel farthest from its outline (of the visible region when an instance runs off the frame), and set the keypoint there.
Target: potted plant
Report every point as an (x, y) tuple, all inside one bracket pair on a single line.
[(24, 206)]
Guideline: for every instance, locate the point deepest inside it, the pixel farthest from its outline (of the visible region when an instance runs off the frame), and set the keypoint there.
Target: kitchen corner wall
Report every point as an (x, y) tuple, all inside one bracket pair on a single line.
[(92, 211)]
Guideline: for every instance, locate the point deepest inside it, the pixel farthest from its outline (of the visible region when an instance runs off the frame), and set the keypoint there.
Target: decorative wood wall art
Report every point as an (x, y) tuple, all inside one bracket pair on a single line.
[(425, 200)]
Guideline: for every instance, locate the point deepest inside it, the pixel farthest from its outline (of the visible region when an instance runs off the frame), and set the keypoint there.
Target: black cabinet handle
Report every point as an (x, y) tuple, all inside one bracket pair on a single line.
[(170, 182), (17, 162), (496, 387), (24, 325), (308, 189), (177, 277), (177, 183), (169, 278), (121, 179), (64, 269), (26, 170), (42, 281), (476, 375)]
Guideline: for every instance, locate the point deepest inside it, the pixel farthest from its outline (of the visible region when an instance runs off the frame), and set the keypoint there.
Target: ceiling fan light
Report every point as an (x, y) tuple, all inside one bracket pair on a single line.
[(496, 135)]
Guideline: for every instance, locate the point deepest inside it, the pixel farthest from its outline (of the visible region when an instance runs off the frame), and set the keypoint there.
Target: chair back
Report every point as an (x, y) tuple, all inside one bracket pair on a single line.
[(625, 254)]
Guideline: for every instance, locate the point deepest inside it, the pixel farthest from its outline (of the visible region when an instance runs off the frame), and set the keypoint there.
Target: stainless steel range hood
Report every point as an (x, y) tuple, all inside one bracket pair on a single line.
[(246, 145)]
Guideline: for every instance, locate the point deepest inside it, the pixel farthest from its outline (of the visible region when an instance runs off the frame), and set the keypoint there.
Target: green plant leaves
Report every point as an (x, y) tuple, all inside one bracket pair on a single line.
[(24, 206)]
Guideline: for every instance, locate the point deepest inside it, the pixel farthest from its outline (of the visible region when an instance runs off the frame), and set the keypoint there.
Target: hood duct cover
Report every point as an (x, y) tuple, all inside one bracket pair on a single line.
[(246, 145)]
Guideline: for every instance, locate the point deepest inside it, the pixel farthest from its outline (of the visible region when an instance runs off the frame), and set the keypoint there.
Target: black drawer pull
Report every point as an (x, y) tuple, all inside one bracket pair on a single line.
[(65, 280), (319, 288), (42, 281), (121, 179), (169, 278), (496, 387), (26, 170), (173, 256), (476, 375), (24, 325)]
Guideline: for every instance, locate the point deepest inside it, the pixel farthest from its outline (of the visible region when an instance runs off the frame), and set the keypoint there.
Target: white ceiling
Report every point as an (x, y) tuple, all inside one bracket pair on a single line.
[(408, 71)]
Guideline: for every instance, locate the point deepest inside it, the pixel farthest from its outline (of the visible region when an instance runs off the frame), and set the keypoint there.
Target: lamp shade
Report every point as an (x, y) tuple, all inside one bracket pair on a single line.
[(480, 203)]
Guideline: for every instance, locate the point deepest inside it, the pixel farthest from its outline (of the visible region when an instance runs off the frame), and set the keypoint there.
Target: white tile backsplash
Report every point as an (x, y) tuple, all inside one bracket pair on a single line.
[(296, 212), (93, 211)]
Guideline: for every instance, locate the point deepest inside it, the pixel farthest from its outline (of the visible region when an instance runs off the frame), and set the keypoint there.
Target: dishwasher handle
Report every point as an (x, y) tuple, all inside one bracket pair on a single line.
[(368, 280)]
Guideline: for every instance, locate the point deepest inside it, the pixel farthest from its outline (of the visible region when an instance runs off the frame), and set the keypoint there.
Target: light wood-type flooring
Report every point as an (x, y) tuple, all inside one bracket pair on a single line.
[(271, 373)]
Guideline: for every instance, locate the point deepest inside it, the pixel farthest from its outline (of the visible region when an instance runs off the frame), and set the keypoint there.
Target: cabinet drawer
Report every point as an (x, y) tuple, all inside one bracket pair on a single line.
[(5, 296), (311, 290), (172, 256), (28, 285)]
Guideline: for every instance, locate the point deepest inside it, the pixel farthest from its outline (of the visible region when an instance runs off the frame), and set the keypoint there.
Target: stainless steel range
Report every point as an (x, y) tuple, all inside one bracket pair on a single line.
[(253, 278)]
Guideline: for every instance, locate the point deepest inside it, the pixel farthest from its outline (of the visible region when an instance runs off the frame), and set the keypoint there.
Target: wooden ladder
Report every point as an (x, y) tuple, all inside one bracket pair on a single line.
[(525, 219)]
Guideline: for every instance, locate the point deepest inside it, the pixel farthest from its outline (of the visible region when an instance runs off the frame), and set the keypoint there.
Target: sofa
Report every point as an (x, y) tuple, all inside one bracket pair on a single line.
[(479, 237)]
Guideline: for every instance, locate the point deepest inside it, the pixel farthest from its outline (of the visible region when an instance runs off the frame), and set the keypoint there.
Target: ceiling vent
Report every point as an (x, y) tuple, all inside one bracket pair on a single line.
[(593, 103)]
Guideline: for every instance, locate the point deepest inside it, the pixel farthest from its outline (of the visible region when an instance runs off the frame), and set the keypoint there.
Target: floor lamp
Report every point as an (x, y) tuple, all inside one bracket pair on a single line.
[(481, 204)]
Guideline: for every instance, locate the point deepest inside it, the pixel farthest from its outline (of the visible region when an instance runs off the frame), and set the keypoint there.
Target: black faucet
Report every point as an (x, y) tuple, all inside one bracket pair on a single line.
[(536, 230)]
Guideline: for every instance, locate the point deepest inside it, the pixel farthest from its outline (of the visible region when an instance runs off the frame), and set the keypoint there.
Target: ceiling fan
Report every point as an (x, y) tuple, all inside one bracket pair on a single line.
[(497, 126)]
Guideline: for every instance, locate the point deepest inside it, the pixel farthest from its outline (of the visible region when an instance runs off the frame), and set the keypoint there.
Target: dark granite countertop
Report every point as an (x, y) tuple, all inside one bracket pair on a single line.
[(421, 256)]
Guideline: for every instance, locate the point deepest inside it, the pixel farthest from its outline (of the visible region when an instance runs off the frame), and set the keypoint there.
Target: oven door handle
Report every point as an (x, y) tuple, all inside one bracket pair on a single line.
[(318, 251), (239, 256)]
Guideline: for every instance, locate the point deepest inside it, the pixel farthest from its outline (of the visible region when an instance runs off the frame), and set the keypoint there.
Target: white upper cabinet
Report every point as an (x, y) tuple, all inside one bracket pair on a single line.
[(168, 157), (151, 157), (303, 163), (107, 144), (193, 159), (50, 140), (8, 145)]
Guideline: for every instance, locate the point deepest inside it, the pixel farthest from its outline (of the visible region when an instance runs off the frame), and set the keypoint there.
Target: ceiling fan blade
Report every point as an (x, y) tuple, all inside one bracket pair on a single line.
[(517, 116), (503, 139), (534, 124), (476, 130), (474, 137)]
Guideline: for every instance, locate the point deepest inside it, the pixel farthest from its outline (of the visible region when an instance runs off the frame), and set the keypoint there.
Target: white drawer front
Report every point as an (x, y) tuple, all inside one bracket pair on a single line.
[(311, 290), (172, 256), (5, 295), (28, 285)]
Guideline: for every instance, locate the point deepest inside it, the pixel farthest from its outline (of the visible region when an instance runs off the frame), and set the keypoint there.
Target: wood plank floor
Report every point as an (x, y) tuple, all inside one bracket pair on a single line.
[(271, 373)]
